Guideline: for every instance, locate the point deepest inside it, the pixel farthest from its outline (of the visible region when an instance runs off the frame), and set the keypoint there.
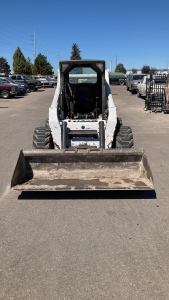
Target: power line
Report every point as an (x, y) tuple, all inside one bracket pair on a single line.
[(13, 45), (13, 37), (15, 30)]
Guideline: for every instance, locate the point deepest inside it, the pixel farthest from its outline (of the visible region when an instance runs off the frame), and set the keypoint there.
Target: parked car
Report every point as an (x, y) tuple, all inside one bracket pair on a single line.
[(132, 81), (157, 94), (23, 85), (3, 75), (21, 90), (33, 84), (142, 86), (44, 81), (153, 85), (8, 90), (52, 80)]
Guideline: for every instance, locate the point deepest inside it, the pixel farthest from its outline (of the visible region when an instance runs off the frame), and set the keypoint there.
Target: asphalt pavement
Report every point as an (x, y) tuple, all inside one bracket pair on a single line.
[(84, 245)]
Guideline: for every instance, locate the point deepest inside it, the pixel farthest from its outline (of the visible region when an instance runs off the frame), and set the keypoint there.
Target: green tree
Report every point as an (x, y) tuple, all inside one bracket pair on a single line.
[(20, 65), (153, 71), (75, 53), (134, 71), (4, 66), (145, 69), (29, 67), (120, 68), (42, 66)]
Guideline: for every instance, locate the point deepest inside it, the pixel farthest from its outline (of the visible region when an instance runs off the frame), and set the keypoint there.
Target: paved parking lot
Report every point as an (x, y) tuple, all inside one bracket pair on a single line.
[(150, 132), (84, 245)]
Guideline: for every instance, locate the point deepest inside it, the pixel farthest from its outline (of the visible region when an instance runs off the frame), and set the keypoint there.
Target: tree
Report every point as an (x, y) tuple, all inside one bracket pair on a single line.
[(153, 71), (20, 65), (75, 53), (29, 67), (4, 66), (145, 69), (42, 66), (134, 71), (120, 68)]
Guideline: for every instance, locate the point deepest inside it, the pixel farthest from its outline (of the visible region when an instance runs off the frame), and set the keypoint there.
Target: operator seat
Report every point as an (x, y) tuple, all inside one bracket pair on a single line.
[(83, 103)]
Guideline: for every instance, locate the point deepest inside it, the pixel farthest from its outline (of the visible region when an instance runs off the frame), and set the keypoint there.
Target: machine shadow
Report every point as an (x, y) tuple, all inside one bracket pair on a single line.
[(86, 195)]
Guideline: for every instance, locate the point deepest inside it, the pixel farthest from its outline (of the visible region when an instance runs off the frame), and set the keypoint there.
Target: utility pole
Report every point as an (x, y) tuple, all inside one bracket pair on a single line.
[(34, 45), (111, 66)]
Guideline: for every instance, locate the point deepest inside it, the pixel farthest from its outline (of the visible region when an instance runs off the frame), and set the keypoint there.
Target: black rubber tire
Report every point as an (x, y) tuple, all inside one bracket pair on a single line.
[(5, 94), (127, 88), (42, 138), (32, 88), (125, 129), (124, 138)]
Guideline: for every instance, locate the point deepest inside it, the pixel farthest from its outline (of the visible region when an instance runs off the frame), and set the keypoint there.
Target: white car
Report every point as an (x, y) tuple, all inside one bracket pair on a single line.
[(44, 81), (142, 86), (156, 86)]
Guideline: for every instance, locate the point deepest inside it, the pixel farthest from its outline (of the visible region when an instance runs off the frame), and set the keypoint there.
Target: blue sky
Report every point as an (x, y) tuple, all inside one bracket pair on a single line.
[(134, 33)]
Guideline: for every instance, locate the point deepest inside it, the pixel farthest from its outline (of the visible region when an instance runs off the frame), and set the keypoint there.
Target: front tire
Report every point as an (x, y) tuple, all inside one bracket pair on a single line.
[(5, 94), (124, 138), (42, 138)]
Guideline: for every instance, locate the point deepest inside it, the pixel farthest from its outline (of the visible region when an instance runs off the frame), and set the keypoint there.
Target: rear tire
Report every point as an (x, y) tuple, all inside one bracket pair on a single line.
[(124, 138), (42, 138), (32, 88)]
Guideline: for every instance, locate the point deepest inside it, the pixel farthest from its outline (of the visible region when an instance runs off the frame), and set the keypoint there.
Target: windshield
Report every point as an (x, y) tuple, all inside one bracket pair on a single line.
[(26, 77), (9, 79), (137, 77), (82, 75), (4, 80)]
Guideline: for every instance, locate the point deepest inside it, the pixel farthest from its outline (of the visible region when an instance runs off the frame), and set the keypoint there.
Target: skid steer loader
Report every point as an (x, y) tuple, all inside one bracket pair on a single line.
[(83, 145)]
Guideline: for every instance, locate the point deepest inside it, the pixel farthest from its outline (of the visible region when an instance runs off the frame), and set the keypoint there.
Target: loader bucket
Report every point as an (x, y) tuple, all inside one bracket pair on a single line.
[(82, 169)]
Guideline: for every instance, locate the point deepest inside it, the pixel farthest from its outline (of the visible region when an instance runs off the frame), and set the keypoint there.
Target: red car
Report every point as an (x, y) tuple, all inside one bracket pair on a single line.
[(7, 90)]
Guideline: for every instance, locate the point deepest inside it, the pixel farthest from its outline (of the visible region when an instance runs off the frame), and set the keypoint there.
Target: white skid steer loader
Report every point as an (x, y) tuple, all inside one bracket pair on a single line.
[(83, 145)]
